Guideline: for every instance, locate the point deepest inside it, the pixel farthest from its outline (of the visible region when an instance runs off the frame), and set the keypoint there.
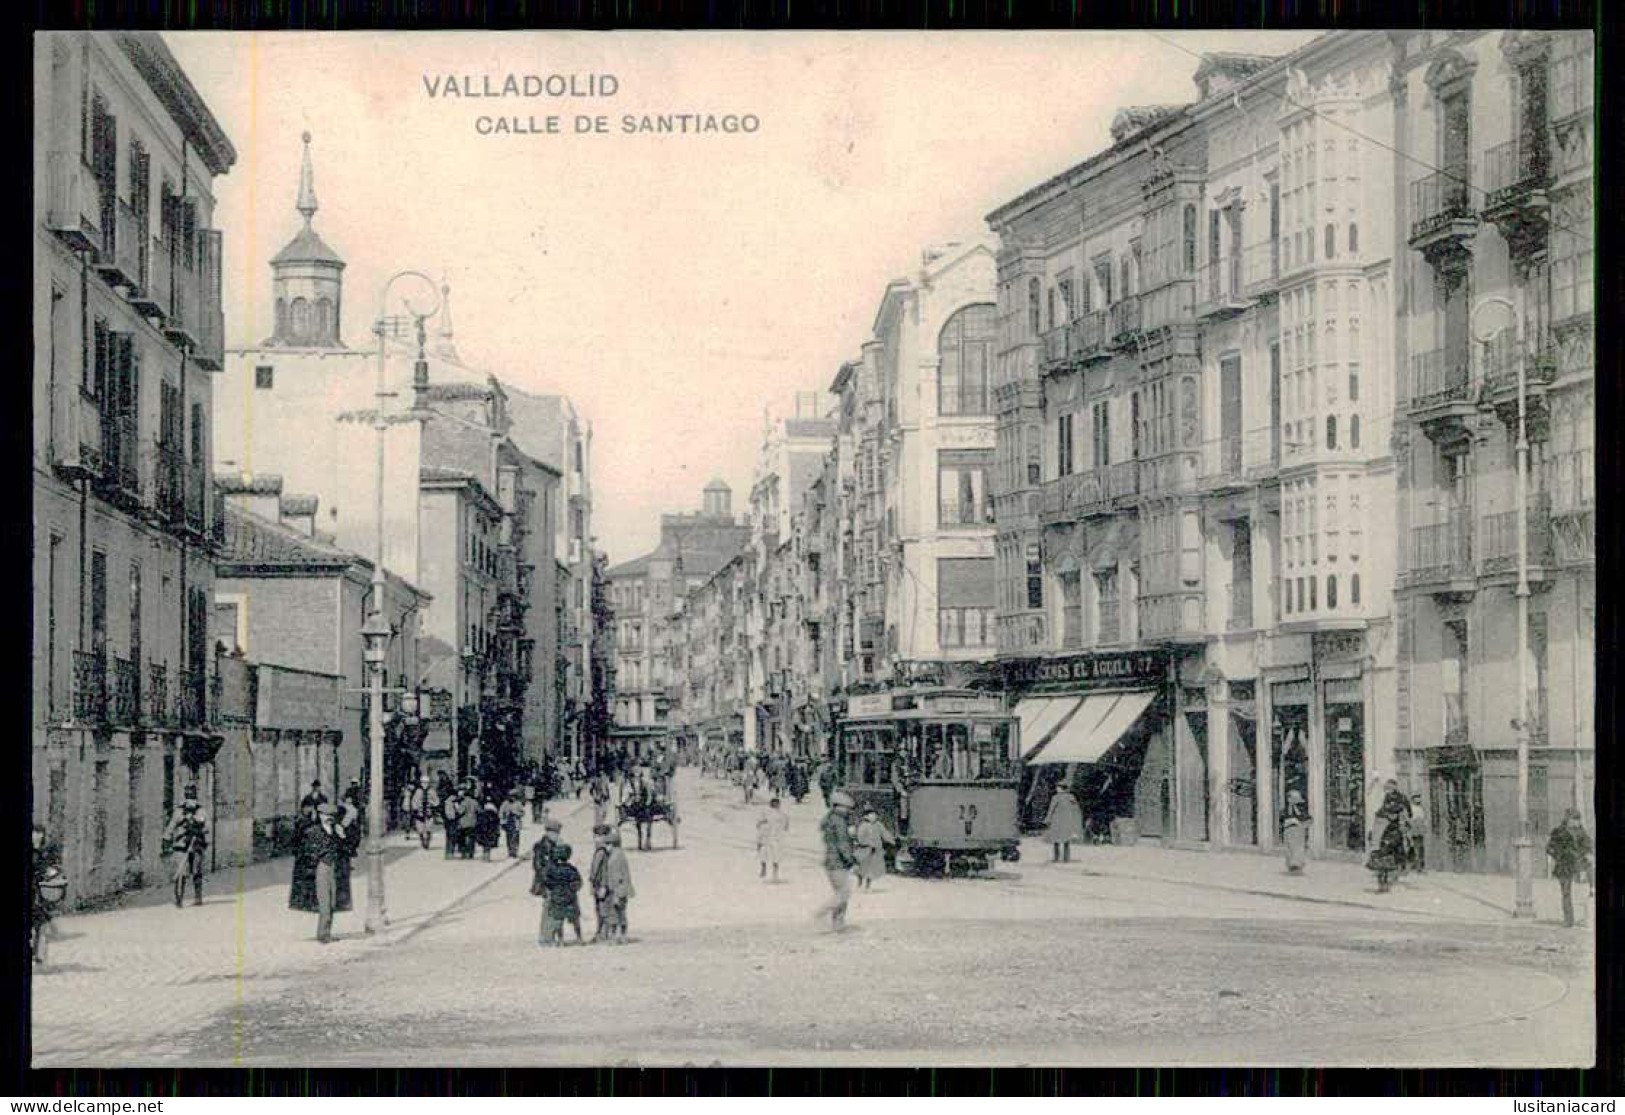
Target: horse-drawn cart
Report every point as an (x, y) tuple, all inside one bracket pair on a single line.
[(643, 804)]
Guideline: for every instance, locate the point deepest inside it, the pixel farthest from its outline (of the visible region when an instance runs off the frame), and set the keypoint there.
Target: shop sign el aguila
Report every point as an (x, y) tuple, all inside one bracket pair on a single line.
[(1139, 669)]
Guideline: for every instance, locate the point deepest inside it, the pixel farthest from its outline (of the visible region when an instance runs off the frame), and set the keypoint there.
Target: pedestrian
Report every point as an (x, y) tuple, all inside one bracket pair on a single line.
[(618, 885), (50, 885), (561, 882), (1063, 823), (771, 829), (328, 847), (312, 799), (452, 808), (349, 821), (566, 786), (302, 886), (355, 798), (579, 778), (421, 808), (827, 776), (1419, 830), (600, 793), (187, 837), (601, 907), (488, 827), (403, 811), (1570, 849), (1388, 860), (468, 813), (870, 841), (839, 859), (512, 816), (1295, 831), (541, 854)]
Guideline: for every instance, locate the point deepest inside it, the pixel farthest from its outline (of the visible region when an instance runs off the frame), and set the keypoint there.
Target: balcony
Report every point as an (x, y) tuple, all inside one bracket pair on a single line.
[(191, 704), (1455, 720), (184, 323), (168, 469), (1440, 394), (90, 687), (1172, 618), (1571, 486), (152, 296), (77, 443), (73, 201), (1223, 465), (1055, 349), (1501, 362), (126, 692), (1515, 198), (118, 254), (1221, 289), (120, 479), (196, 483), (1442, 559), (1261, 269), (158, 710), (1125, 320), (1443, 220), (1088, 339), (1498, 542)]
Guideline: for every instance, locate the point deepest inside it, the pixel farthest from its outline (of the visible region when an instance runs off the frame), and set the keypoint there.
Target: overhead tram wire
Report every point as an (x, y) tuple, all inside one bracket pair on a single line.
[(1418, 160)]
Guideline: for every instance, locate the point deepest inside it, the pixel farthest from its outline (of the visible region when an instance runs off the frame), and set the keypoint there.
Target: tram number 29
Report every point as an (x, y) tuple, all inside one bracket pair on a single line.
[(967, 815)]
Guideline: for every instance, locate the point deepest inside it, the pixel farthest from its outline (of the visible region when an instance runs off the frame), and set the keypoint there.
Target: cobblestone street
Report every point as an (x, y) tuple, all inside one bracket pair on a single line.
[(1127, 955)]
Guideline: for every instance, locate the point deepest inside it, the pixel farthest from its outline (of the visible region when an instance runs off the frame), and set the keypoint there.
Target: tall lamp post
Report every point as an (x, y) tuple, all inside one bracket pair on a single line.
[(1522, 845), (376, 632)]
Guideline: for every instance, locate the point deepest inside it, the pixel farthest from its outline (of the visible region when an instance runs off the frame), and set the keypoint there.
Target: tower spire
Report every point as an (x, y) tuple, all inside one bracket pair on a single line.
[(307, 186), (445, 346)]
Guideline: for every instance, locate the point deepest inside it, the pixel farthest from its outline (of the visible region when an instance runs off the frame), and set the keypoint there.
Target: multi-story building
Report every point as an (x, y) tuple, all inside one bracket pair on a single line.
[(470, 504), (288, 597), (711, 650), (792, 456), (127, 338), (1493, 240), (1195, 469), (644, 594)]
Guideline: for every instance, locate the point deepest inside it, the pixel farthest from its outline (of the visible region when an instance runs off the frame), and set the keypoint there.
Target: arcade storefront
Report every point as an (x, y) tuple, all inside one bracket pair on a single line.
[(1103, 722)]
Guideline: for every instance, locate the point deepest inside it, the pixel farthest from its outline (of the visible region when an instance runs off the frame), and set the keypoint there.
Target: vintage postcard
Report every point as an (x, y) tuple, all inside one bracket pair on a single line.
[(817, 549)]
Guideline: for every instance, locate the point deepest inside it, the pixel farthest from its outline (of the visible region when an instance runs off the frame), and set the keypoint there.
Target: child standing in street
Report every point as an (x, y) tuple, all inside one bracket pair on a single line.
[(618, 886), (871, 839), (560, 907), (771, 828)]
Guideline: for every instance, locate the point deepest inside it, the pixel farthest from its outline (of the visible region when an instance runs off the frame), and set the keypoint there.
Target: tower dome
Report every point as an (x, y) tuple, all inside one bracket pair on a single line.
[(307, 278), (718, 499)]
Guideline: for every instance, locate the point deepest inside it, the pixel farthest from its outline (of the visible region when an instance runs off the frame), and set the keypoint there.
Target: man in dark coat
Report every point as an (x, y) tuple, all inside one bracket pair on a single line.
[(827, 776), (1570, 849), (302, 887), (1388, 860), (311, 800), (328, 846), (839, 859), (468, 812), (541, 854)]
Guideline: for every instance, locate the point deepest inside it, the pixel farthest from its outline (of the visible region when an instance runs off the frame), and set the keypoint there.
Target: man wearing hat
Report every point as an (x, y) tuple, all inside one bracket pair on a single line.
[(839, 858), (618, 889), (327, 846), (541, 853), (602, 909), (188, 836), (1570, 849)]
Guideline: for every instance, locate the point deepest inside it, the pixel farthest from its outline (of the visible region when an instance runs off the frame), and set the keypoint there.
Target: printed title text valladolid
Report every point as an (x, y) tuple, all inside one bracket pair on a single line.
[(577, 87)]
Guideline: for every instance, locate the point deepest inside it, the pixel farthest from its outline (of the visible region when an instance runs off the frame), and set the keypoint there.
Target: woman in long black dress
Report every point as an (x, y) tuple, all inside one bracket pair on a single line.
[(487, 826), (1389, 857), (302, 888)]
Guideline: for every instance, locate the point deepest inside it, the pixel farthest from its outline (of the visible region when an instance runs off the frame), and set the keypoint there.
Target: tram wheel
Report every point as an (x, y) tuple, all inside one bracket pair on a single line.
[(929, 863)]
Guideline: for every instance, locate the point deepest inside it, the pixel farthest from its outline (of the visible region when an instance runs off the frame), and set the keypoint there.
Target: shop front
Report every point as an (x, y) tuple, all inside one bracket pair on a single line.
[(1102, 723)]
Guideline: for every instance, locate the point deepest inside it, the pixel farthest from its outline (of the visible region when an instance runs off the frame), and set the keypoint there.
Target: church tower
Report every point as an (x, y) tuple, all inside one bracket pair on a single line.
[(307, 279)]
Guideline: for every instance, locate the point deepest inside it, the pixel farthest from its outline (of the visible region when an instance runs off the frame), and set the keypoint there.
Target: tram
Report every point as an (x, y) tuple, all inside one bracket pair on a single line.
[(941, 767)]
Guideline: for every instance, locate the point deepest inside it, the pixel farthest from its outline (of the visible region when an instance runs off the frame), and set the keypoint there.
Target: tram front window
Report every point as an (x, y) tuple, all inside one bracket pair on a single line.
[(956, 751)]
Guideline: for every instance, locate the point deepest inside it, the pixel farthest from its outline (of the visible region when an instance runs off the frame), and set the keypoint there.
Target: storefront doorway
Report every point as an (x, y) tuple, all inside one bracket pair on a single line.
[(1345, 767), (1289, 754), (1243, 766), (1456, 792)]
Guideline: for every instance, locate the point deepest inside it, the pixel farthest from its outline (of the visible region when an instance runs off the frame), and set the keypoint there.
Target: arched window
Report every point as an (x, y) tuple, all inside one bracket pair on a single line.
[(1354, 238), (1331, 431), (965, 349), (1331, 242), (323, 326), (1051, 308), (1033, 286), (1190, 239), (1354, 589), (1331, 591), (281, 317), (300, 312), (1314, 605), (1354, 431)]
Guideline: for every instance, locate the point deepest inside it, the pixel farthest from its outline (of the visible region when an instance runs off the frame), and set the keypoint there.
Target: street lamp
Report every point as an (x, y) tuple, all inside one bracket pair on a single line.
[(376, 632), (1522, 847)]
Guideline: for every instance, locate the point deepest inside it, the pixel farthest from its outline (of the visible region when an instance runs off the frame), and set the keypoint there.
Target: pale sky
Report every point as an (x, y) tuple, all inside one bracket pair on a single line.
[(673, 286)]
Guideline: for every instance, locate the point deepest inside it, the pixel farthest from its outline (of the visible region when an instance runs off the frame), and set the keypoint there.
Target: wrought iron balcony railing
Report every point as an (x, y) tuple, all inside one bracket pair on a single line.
[(90, 687)]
